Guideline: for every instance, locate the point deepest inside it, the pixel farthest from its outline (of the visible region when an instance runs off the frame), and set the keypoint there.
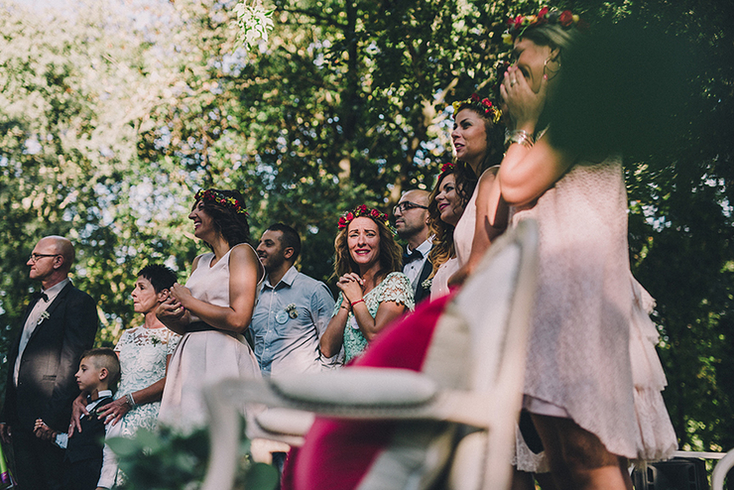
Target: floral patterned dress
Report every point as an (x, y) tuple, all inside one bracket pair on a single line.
[(142, 352), (395, 287)]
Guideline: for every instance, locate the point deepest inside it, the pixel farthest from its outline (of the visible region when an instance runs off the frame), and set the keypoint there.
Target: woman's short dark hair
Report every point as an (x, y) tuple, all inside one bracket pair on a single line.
[(232, 225), (160, 276)]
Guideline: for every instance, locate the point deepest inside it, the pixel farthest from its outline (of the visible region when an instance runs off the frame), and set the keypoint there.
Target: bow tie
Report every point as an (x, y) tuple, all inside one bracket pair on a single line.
[(40, 295), (414, 255)]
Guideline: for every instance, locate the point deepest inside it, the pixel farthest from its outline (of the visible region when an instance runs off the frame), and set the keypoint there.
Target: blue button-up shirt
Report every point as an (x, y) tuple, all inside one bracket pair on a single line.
[(288, 322)]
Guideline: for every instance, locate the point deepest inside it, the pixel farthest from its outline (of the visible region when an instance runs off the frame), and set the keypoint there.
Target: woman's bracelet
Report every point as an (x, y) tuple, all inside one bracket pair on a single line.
[(521, 137), (130, 400), (357, 302)]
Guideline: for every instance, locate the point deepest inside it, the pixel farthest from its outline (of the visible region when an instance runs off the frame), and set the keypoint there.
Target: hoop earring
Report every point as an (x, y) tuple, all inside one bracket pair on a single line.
[(551, 72)]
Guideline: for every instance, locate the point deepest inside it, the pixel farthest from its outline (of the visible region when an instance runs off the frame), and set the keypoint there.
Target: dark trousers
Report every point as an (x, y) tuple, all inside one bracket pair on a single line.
[(38, 463), (82, 475)]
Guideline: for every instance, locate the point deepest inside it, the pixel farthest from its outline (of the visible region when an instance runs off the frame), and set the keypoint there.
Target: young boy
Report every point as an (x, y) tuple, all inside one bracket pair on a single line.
[(98, 373)]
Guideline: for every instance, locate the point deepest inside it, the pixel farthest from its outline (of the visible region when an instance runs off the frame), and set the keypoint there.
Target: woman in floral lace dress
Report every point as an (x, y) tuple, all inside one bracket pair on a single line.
[(373, 292), (143, 352)]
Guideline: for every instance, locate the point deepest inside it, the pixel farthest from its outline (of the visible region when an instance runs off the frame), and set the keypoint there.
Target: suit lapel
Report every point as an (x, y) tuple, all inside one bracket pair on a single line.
[(425, 272), (50, 310)]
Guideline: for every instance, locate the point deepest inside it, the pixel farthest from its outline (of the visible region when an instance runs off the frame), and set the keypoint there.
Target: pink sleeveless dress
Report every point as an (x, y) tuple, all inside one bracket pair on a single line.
[(203, 358), (463, 236)]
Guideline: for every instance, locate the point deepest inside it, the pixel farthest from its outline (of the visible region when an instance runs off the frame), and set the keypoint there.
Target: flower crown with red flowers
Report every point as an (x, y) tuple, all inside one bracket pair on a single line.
[(211, 195), (518, 25), (483, 106), (447, 167), (360, 211)]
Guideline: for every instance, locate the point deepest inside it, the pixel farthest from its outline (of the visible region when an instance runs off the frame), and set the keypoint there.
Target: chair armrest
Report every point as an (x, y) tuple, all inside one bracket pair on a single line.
[(358, 387), (362, 393)]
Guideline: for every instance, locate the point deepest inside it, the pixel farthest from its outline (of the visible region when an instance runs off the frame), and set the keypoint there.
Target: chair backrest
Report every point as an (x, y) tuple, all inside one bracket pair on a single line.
[(476, 356), (721, 470), (478, 347), (493, 312)]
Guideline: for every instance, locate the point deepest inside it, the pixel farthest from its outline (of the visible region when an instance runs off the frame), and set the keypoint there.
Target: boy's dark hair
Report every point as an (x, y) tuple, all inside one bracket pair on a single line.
[(104, 357), (289, 238), (160, 276)]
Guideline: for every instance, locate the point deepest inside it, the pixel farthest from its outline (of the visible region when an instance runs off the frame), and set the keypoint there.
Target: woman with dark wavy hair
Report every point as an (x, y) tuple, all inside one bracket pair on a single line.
[(477, 139), (445, 208), (213, 310), (373, 290)]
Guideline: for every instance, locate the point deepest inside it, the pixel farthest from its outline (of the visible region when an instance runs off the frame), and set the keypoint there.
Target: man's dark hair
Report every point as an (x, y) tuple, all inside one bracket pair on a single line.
[(288, 238), (160, 276)]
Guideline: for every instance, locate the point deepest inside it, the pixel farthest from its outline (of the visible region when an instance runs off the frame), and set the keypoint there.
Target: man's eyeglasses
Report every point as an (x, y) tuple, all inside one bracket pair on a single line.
[(405, 206), (34, 257)]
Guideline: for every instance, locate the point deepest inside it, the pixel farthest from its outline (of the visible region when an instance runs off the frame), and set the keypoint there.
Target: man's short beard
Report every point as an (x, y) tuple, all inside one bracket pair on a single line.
[(275, 262), (408, 233)]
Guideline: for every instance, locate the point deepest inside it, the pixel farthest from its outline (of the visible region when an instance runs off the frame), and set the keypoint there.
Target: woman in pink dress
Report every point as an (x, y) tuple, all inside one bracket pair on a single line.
[(444, 209), (588, 398), (212, 311)]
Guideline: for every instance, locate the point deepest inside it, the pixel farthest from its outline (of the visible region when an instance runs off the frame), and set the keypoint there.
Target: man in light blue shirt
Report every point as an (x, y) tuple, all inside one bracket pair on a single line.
[(293, 309)]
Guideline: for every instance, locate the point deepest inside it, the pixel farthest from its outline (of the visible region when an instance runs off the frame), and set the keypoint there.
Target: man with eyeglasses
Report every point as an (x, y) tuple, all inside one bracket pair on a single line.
[(59, 325), (411, 223)]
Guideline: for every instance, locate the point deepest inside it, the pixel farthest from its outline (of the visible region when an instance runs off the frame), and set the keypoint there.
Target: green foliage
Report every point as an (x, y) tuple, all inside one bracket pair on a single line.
[(167, 460), (111, 119)]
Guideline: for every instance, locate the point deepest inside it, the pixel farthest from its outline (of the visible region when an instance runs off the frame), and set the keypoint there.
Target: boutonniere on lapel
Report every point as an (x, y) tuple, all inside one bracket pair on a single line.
[(288, 312), (44, 316), (427, 284), (291, 310)]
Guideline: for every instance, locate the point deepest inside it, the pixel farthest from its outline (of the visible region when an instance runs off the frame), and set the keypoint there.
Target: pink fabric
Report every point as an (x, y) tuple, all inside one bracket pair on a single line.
[(338, 453)]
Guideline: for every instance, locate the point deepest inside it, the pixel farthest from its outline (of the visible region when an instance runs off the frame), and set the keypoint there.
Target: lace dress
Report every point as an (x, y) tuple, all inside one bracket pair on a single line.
[(204, 357), (395, 287), (586, 314), (142, 352)]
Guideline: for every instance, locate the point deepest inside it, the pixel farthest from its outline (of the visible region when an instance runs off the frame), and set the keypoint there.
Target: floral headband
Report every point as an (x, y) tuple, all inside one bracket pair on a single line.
[(210, 195), (517, 26), (360, 211), (447, 167), (483, 106)]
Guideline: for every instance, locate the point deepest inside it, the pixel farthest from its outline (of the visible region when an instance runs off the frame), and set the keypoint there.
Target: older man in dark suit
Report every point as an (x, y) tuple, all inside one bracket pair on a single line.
[(60, 323)]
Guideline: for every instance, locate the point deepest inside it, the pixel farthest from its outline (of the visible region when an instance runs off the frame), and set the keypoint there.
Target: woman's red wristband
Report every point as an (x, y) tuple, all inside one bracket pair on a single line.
[(357, 302)]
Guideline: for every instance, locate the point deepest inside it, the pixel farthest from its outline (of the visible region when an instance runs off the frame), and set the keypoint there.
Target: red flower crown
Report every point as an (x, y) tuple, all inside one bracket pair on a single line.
[(210, 195), (517, 26), (483, 106), (363, 210), (447, 167)]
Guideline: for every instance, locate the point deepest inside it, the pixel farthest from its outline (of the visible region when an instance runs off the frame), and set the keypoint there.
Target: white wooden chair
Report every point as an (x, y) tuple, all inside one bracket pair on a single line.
[(722, 469), (472, 379)]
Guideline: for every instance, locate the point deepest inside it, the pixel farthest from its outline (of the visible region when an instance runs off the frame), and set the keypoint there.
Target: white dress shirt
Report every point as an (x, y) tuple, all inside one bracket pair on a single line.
[(413, 269), (34, 319)]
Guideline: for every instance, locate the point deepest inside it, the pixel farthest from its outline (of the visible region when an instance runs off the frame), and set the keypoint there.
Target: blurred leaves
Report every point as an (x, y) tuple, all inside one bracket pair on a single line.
[(167, 460)]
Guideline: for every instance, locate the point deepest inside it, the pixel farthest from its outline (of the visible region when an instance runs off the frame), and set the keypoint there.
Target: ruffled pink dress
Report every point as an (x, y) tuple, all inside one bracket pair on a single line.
[(591, 351)]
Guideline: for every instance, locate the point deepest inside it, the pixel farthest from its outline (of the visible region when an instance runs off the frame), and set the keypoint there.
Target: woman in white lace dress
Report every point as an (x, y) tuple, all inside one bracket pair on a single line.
[(212, 311), (144, 352), (373, 291)]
